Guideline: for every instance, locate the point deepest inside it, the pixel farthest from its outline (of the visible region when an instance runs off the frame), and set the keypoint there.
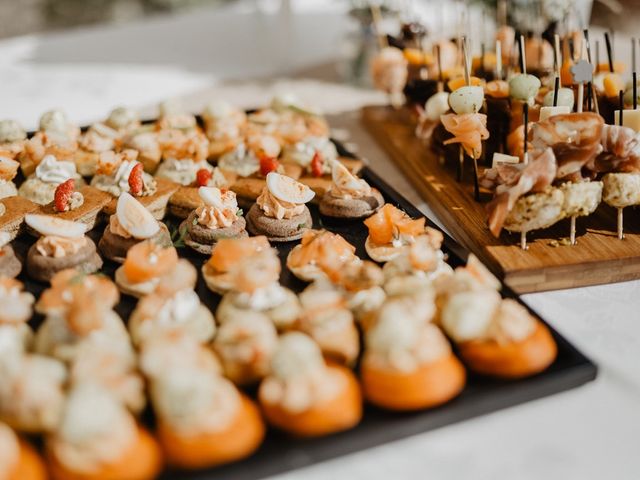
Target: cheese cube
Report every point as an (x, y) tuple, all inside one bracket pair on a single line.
[(630, 118), (502, 158), (546, 112)]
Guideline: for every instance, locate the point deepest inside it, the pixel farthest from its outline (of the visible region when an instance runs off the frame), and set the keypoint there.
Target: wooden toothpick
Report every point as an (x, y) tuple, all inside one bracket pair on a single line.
[(620, 224), (523, 59), (376, 16)]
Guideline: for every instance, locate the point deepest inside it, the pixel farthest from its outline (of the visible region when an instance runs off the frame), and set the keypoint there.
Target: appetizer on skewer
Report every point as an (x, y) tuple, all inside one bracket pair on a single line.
[(63, 244), (217, 219), (304, 395), (620, 163), (389, 73), (203, 419), (131, 224)]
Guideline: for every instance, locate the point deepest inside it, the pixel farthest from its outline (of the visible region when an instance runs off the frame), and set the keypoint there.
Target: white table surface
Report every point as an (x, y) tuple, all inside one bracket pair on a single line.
[(592, 432)]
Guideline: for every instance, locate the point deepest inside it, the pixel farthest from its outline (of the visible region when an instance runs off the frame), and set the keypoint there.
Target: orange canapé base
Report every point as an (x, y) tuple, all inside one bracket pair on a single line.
[(243, 436), (342, 412), (30, 466), (514, 360), (142, 462), (428, 386)]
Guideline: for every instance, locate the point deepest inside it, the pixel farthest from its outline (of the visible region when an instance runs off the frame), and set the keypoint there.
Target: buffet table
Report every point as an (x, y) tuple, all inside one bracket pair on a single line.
[(587, 433)]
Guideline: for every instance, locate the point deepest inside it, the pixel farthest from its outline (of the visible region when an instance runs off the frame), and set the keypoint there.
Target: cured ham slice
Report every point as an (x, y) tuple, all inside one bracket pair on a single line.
[(575, 139), (621, 151), (468, 129), (534, 176)]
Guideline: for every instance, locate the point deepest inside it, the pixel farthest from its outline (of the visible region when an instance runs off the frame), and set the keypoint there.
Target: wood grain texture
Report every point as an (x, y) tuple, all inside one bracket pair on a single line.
[(599, 257)]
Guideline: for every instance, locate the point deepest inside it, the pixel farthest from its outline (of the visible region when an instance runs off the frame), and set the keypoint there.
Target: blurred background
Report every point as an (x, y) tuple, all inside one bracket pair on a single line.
[(19, 17), (88, 55)]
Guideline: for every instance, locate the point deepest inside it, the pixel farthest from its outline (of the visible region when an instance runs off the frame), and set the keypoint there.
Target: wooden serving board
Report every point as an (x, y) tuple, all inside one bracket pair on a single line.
[(599, 257)]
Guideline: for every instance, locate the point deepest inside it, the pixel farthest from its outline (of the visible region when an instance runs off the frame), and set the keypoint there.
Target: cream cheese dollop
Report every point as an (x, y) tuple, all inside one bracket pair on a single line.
[(299, 377), (219, 209), (59, 247), (50, 170), (402, 340), (468, 315), (265, 298), (240, 160)]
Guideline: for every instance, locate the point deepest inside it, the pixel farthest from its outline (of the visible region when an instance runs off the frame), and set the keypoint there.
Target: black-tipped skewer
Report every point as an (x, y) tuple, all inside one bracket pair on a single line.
[(634, 88), (525, 113), (621, 106), (440, 76), (607, 41), (556, 87), (523, 66)]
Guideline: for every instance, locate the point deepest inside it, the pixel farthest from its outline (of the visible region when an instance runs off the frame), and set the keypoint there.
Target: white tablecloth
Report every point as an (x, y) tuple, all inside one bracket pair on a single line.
[(589, 433)]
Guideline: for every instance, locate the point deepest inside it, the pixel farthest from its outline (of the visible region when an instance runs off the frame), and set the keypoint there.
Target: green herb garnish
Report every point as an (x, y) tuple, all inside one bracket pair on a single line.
[(178, 236)]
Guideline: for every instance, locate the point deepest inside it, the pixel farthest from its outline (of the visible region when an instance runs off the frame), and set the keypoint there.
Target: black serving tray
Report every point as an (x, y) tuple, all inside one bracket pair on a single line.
[(280, 452)]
